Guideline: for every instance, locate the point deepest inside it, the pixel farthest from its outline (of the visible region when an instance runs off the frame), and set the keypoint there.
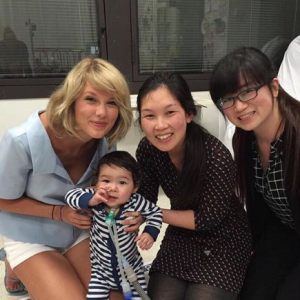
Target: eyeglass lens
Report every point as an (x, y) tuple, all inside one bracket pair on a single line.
[(243, 96)]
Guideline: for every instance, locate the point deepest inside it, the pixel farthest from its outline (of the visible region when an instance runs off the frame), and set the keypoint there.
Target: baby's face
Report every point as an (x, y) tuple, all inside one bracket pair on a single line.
[(117, 182)]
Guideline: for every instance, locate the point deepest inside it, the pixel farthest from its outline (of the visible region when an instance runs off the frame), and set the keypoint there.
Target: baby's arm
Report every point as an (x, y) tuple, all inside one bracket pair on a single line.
[(99, 196), (153, 216), (144, 241), (85, 198)]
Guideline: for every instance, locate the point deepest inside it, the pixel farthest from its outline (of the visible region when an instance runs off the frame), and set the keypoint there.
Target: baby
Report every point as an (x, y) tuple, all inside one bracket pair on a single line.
[(114, 195)]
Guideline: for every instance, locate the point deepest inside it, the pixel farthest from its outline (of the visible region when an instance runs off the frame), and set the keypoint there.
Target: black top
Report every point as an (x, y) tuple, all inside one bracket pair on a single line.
[(259, 212), (217, 252), (270, 184)]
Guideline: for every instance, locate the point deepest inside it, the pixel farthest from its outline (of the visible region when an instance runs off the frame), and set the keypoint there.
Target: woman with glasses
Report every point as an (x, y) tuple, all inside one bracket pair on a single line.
[(267, 152)]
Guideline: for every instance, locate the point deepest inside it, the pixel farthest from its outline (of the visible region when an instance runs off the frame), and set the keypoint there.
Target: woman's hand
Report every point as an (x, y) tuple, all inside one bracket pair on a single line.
[(81, 218), (133, 222)]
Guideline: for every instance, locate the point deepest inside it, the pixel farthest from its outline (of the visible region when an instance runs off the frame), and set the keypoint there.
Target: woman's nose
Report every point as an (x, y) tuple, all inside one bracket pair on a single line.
[(240, 105), (161, 123), (100, 110)]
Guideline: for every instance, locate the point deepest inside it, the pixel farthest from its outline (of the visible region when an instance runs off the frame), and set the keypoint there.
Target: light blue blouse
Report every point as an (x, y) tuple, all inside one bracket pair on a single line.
[(29, 166)]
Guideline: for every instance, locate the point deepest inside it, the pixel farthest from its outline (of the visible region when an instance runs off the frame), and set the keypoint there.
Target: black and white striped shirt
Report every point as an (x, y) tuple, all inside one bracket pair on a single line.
[(105, 270)]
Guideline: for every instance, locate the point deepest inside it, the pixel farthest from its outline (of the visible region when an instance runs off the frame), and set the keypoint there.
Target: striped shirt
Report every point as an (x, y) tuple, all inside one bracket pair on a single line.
[(105, 269)]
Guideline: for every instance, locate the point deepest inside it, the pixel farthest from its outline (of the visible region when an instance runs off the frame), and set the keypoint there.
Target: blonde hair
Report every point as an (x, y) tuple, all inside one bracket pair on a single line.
[(101, 75)]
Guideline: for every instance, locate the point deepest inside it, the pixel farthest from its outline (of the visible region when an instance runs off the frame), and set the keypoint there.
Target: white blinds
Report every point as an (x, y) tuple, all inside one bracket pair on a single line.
[(192, 35), (45, 37)]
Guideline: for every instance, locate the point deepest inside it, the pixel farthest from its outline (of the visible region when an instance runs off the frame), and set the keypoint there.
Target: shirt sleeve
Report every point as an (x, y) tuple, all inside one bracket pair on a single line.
[(79, 198), (15, 165), (289, 73), (150, 184), (217, 196), (152, 214)]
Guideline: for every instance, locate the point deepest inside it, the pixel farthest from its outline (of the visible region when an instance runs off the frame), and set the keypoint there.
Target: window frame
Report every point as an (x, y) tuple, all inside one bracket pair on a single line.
[(196, 81), (28, 88), (118, 43), (117, 27)]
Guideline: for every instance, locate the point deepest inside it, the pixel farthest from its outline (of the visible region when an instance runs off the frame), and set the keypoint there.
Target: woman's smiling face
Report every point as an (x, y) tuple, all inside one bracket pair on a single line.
[(164, 121), (255, 114), (96, 113)]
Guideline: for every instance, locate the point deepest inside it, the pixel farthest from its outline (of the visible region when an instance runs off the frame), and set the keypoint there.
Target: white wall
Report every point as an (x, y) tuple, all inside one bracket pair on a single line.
[(14, 112)]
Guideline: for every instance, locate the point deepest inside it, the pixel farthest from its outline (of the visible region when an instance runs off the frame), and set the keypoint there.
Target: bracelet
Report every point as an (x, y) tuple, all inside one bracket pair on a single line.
[(60, 212), (52, 215)]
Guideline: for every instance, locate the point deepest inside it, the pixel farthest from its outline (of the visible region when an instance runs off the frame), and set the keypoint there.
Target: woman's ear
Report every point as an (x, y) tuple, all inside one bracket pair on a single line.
[(275, 87), (189, 118)]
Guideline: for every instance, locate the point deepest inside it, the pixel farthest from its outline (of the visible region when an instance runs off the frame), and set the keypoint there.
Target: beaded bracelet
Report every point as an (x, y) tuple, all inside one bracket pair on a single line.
[(52, 215)]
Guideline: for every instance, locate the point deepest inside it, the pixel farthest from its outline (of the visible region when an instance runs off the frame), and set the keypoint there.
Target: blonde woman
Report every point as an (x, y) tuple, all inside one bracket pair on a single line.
[(46, 242)]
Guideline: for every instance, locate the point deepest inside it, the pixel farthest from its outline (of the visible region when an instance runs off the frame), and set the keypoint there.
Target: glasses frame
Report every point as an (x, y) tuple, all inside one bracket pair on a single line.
[(256, 88)]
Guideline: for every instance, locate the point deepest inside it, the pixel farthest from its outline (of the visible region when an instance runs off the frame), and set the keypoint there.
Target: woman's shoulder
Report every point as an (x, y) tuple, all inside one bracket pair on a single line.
[(213, 142), (24, 135), (215, 147), (15, 134), (144, 142), (21, 129), (146, 151), (145, 146)]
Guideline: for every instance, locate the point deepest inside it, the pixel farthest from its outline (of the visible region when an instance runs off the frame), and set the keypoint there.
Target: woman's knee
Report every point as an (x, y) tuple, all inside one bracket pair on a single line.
[(208, 292), (163, 287)]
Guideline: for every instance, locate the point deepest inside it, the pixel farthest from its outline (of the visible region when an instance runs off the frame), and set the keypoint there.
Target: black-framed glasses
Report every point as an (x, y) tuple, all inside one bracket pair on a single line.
[(243, 96)]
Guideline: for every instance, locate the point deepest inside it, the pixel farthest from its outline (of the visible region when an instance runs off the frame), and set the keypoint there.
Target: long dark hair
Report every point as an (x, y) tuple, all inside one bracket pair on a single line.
[(252, 66), (193, 167)]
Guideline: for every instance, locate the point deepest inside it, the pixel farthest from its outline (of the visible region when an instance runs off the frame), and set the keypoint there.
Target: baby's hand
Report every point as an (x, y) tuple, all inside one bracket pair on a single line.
[(99, 196), (144, 241)]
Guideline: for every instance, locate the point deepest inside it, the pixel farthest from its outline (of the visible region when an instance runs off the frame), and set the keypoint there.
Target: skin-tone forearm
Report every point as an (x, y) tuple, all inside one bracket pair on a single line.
[(180, 218), (28, 206)]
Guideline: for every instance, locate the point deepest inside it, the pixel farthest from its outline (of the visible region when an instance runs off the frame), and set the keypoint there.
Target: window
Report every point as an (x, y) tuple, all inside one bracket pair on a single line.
[(138, 36), (191, 36), (43, 39)]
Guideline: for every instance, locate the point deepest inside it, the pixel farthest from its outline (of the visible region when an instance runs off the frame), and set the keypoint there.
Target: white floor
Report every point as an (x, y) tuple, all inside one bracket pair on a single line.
[(147, 255)]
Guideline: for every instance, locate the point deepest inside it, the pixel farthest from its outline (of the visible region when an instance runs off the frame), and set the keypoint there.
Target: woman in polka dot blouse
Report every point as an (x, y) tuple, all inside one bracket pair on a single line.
[(206, 248)]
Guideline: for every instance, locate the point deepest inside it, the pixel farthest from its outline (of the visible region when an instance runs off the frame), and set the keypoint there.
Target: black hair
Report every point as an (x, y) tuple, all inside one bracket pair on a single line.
[(254, 67), (122, 159), (193, 166), (248, 65), (275, 49)]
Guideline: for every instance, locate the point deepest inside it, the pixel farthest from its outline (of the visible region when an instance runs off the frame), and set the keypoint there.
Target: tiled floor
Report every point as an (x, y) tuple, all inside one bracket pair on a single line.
[(147, 255)]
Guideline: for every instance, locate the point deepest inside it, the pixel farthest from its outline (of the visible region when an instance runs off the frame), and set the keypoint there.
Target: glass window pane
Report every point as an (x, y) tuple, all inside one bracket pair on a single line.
[(45, 38), (191, 36)]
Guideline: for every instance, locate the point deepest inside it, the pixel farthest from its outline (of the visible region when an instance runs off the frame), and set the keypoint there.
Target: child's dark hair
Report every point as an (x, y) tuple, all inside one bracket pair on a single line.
[(122, 159)]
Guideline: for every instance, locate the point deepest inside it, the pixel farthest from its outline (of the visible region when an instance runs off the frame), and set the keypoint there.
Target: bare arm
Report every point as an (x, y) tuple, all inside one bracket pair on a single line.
[(179, 218), (28, 206)]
